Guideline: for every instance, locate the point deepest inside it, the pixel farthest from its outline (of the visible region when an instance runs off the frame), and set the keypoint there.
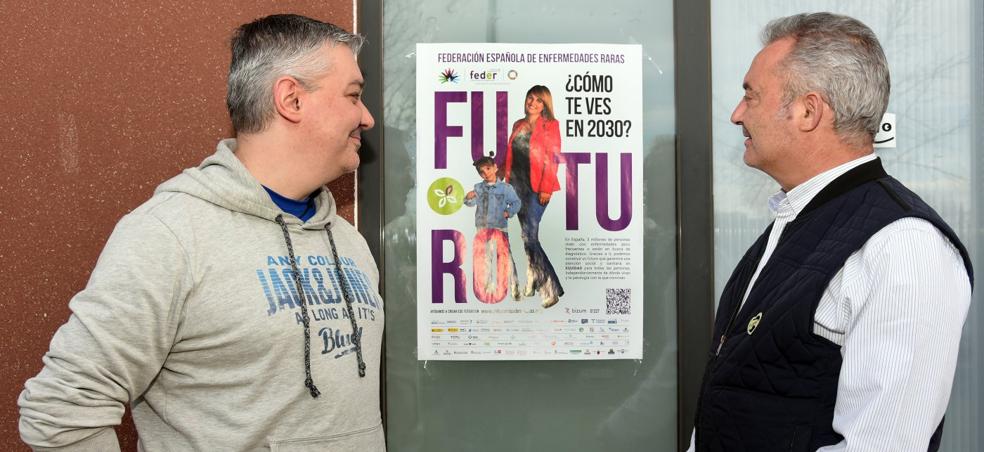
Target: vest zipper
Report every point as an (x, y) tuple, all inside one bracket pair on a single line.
[(717, 353), (707, 372), (724, 334)]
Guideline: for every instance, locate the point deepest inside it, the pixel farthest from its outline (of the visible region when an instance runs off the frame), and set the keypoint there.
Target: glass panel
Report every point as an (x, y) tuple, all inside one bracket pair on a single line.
[(935, 53), (530, 406)]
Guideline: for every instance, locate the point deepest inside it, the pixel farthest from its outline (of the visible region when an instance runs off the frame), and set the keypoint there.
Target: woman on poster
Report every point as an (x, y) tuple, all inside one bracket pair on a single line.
[(531, 168)]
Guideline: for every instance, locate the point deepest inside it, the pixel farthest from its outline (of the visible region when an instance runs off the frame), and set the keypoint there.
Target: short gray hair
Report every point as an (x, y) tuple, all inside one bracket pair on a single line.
[(840, 58), (271, 47)]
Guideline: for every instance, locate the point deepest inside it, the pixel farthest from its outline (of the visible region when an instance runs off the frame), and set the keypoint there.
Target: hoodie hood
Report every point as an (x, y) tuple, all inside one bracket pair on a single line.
[(223, 180)]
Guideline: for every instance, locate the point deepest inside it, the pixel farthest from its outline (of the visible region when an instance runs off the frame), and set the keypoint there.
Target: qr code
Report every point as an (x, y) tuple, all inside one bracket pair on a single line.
[(618, 301)]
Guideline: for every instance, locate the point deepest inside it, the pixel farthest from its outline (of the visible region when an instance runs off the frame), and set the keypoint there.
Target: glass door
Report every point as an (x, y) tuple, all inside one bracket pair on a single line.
[(620, 405)]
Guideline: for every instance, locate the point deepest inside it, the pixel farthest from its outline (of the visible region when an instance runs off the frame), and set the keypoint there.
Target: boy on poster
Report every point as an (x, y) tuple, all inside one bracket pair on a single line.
[(496, 202)]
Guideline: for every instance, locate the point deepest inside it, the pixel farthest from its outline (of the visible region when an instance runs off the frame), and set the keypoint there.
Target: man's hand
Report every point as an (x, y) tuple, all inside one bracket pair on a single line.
[(545, 198), (470, 195)]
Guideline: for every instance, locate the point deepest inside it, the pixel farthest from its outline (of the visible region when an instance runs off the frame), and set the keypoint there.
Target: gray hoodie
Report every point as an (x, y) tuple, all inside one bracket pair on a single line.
[(192, 316)]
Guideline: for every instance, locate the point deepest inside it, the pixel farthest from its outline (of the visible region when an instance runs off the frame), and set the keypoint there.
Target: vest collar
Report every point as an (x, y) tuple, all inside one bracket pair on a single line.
[(861, 174)]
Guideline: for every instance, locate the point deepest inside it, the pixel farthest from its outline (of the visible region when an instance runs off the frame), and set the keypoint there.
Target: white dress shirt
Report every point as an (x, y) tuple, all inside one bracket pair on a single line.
[(897, 309)]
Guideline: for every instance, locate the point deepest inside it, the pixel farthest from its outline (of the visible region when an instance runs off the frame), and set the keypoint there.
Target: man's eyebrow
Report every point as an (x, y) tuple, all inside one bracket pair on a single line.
[(358, 83)]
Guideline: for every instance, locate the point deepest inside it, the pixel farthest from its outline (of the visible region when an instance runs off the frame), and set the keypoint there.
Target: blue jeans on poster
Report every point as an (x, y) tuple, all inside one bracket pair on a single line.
[(540, 273)]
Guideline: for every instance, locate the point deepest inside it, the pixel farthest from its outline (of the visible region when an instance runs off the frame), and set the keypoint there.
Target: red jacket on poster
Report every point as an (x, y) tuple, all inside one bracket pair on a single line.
[(544, 154)]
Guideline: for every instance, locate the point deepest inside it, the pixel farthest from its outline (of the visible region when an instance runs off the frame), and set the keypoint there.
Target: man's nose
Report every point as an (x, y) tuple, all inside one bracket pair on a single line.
[(737, 113), (367, 120)]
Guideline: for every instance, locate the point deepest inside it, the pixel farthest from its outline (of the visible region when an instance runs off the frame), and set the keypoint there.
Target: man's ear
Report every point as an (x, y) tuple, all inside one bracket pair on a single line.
[(811, 111), (287, 94)]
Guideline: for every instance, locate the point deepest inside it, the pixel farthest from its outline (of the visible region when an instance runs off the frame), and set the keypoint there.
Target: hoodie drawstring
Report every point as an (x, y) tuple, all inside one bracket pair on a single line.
[(308, 381), (356, 337)]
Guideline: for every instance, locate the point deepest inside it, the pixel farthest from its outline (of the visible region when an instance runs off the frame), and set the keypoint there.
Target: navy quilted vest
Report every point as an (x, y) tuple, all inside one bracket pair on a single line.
[(774, 389)]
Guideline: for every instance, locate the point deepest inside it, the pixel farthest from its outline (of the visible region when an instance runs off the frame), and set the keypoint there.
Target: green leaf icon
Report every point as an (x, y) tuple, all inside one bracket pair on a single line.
[(445, 196)]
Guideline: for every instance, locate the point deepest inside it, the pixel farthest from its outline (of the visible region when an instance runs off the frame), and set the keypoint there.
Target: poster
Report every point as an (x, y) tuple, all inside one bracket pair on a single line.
[(529, 201)]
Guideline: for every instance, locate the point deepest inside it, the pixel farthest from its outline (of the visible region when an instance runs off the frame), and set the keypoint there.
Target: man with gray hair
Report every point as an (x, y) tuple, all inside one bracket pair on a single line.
[(235, 310), (839, 328)]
